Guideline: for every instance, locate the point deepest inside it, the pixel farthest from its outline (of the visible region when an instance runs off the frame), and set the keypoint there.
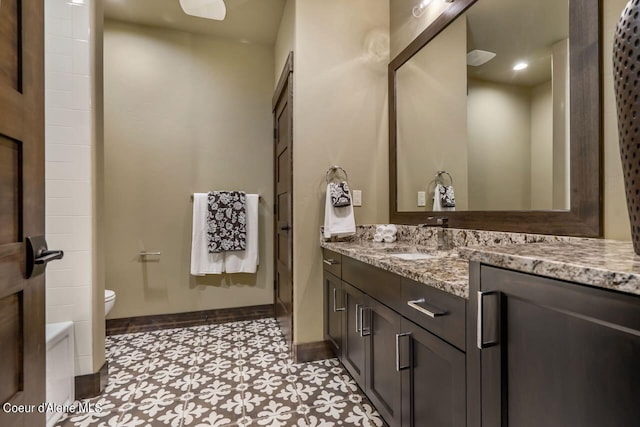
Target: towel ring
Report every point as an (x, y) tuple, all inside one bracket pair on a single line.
[(334, 170), (439, 177)]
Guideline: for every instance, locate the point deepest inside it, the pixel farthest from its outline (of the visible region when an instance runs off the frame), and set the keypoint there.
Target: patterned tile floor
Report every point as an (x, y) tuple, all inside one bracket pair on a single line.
[(233, 374)]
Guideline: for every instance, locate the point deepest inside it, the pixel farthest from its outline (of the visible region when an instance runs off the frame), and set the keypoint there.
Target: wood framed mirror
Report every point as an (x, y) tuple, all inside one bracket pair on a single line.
[(561, 191)]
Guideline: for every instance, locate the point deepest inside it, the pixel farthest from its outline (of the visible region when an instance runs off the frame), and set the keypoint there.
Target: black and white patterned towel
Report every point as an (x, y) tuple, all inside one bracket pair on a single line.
[(447, 196), (340, 195), (226, 221)]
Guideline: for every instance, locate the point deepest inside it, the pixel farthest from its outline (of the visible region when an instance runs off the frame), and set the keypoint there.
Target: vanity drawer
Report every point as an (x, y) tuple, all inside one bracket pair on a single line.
[(377, 283), (332, 262), (449, 322)]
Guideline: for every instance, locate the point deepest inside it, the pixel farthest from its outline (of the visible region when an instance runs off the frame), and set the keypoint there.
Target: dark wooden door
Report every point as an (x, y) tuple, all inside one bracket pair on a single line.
[(334, 310), (383, 377), (283, 204), (22, 309), (354, 335), (433, 380), (557, 354)]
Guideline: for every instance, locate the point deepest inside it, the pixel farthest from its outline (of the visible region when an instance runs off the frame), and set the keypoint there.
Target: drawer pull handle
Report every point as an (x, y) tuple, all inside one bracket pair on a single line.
[(398, 336), (330, 261), (432, 312), (335, 297)]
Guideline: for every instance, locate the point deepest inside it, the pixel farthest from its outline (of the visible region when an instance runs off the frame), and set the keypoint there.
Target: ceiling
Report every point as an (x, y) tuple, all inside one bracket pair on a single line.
[(522, 30), (248, 21)]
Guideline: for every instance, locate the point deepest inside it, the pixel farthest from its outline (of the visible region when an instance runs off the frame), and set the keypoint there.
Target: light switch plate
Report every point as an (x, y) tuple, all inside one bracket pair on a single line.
[(422, 198), (357, 197)]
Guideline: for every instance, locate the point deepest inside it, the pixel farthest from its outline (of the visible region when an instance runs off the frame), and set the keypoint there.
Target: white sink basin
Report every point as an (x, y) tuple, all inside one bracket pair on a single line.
[(413, 256)]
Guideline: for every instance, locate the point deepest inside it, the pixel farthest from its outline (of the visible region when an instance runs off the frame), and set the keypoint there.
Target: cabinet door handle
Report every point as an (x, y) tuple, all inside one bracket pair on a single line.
[(365, 331), (335, 297), (481, 343), (330, 261), (398, 336), (432, 312), (358, 318)]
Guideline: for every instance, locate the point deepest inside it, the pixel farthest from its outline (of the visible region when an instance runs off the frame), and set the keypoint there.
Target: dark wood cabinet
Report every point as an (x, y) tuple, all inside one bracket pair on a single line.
[(433, 379), (334, 308), (411, 374), (383, 376), (553, 353), (354, 354)]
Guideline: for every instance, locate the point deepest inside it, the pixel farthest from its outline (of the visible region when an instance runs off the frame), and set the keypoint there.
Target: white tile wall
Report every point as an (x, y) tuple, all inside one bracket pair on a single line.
[(68, 171)]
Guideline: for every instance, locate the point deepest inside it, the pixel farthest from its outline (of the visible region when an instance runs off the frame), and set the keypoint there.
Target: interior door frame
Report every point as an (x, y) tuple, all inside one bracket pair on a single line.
[(284, 82)]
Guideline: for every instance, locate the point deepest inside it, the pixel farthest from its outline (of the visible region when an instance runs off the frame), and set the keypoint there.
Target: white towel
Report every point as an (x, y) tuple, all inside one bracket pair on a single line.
[(389, 238), (391, 228), (338, 222), (378, 238), (380, 229), (246, 261), (202, 262), (437, 206)]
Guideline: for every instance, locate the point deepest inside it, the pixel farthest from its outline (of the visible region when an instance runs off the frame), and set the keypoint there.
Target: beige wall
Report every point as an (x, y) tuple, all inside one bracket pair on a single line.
[(541, 147), (405, 27), (499, 146), (432, 119), (616, 217), (183, 114), (285, 40), (340, 117)]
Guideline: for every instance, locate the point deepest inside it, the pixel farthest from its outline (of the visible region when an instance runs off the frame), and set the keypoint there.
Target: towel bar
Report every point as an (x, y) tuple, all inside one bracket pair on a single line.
[(259, 198)]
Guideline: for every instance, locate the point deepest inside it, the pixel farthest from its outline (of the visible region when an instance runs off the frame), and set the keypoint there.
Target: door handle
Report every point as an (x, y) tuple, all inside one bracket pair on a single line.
[(398, 336), (38, 255), (48, 256), (358, 318), (433, 313), (285, 228), (335, 297), (480, 333), (330, 261), (364, 332)]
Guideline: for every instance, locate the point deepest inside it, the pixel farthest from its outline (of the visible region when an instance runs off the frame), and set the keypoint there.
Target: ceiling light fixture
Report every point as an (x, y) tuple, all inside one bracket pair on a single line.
[(520, 66), (418, 10), (210, 9)]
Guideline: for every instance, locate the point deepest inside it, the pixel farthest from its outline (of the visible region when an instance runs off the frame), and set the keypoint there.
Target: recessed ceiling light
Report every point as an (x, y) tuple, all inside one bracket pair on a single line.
[(210, 9), (478, 57), (520, 66)]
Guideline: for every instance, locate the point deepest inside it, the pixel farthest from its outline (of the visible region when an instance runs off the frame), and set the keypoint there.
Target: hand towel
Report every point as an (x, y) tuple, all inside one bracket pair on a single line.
[(437, 206), (380, 229), (246, 261), (202, 262), (389, 238), (378, 238), (340, 194), (391, 228), (338, 222), (227, 221), (447, 196)]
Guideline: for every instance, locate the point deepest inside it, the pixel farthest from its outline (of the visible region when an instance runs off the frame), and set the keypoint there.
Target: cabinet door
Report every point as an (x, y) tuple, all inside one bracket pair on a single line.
[(383, 379), (433, 383), (333, 312), (354, 356), (557, 354)]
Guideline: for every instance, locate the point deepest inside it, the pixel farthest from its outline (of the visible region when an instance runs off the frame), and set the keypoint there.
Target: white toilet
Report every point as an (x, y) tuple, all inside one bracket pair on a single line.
[(109, 300)]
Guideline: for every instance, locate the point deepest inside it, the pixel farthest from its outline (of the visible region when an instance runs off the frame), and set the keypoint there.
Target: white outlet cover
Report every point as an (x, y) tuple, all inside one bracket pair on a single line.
[(422, 198), (357, 197)]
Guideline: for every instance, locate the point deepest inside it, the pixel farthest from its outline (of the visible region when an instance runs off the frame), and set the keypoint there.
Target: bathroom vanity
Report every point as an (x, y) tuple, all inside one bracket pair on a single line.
[(524, 334)]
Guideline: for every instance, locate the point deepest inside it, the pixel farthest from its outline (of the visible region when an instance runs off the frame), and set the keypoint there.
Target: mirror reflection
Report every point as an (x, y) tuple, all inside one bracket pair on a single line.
[(486, 101)]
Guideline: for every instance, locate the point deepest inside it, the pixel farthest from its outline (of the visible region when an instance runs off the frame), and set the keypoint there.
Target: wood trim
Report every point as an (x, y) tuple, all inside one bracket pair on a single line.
[(286, 70), (92, 385), (312, 351), (182, 320), (585, 217)]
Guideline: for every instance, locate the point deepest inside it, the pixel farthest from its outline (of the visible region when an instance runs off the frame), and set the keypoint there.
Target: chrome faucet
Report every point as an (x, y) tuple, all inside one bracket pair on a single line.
[(443, 237)]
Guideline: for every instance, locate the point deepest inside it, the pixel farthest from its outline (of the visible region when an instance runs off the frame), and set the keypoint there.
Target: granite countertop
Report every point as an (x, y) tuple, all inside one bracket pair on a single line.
[(601, 263), (446, 271)]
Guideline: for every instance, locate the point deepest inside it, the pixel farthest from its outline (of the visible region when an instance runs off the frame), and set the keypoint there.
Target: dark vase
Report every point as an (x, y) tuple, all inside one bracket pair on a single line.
[(626, 75)]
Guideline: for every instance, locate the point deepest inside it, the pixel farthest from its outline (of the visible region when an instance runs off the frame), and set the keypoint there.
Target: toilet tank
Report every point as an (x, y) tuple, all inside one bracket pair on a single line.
[(60, 367)]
